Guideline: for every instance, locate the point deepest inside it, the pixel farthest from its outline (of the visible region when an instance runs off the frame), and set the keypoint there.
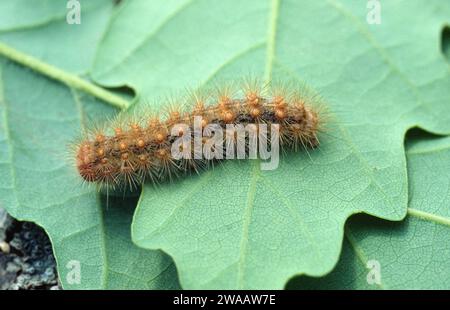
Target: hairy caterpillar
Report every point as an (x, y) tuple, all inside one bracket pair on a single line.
[(145, 146)]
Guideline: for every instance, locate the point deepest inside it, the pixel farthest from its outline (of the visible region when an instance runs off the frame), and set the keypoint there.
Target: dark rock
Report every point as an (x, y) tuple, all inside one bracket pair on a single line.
[(26, 257)]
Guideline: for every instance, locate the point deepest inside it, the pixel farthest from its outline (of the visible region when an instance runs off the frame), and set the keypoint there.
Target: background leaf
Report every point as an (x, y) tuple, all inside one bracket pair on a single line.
[(238, 227), (40, 29), (413, 254), (38, 119)]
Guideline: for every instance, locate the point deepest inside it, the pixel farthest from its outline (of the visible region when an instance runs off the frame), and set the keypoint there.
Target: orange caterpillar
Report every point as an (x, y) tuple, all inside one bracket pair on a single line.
[(134, 149)]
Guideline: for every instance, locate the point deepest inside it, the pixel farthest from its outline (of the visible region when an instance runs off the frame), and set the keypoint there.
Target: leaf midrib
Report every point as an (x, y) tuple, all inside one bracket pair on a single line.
[(430, 217), (62, 76), (243, 248)]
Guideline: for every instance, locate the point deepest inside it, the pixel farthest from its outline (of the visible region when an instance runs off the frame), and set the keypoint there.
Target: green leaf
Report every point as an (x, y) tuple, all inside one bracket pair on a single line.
[(237, 226), (40, 29), (39, 118), (412, 254)]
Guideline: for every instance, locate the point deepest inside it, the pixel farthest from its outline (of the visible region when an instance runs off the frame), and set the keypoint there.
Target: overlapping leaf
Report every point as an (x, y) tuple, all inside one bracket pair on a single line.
[(413, 254), (38, 119)]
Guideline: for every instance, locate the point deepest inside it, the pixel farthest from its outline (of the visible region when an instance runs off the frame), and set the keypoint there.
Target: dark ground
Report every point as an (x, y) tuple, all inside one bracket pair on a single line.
[(26, 257)]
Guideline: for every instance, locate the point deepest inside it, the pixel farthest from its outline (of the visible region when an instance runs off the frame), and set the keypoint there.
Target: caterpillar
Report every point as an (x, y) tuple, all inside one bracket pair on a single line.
[(152, 146)]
